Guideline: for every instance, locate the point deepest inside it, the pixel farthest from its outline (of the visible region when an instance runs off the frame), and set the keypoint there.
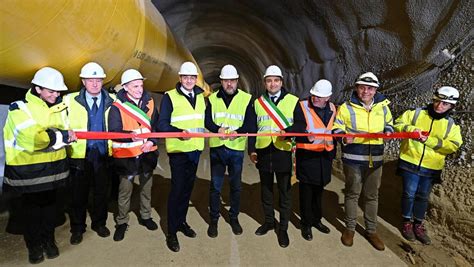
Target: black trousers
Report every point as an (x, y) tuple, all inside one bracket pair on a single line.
[(284, 190), (310, 203), (40, 215), (183, 174), (94, 174)]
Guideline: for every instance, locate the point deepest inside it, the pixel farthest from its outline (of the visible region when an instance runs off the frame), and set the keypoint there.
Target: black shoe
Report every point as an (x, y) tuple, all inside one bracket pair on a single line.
[(76, 238), (35, 255), (212, 230), (186, 230), (283, 239), (51, 250), (172, 242), (236, 228), (149, 224), (306, 233), (264, 228), (321, 227), (102, 231), (120, 231)]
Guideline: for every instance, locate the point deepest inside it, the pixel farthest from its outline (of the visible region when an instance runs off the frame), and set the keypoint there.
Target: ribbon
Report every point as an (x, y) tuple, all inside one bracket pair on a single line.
[(115, 135)]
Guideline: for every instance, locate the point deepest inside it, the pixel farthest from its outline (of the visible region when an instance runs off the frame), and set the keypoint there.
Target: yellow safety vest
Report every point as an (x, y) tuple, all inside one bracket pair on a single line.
[(78, 118), (231, 117), (265, 123), (445, 138), (186, 118)]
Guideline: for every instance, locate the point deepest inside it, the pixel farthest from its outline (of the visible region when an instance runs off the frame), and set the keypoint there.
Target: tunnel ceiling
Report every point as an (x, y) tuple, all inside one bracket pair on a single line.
[(310, 40)]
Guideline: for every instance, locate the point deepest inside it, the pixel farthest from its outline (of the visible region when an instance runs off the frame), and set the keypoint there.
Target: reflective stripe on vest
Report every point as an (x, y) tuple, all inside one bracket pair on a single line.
[(129, 123), (314, 124)]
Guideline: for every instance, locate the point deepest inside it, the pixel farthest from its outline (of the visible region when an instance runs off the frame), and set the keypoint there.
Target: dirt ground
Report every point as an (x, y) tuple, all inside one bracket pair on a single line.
[(144, 248)]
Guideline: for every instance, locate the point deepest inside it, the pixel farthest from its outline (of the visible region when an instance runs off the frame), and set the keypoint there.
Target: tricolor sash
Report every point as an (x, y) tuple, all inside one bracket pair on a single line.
[(274, 112), (134, 112)]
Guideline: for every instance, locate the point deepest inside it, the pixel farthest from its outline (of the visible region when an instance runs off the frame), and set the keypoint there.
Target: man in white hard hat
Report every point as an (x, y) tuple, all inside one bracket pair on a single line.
[(367, 111), (314, 154), (229, 111), (134, 159), (272, 155), (87, 110), (35, 133), (182, 110), (422, 160)]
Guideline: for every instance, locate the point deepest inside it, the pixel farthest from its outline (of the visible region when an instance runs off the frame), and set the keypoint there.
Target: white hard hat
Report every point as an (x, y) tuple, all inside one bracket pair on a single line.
[(188, 68), (49, 78), (131, 75), (273, 70), (92, 70), (447, 94), (321, 88), (369, 79), (229, 72)]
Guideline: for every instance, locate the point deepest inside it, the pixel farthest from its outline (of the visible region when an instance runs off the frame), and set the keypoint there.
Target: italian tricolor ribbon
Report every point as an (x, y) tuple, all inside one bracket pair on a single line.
[(274, 112), (134, 112)]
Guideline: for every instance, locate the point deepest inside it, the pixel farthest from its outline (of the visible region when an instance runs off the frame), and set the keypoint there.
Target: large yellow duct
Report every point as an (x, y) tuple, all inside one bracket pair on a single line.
[(66, 34)]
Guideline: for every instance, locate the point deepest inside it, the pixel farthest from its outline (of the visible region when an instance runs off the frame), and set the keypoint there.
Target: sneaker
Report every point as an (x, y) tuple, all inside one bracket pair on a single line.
[(236, 228), (407, 231), (421, 235), (35, 255), (149, 224), (212, 230), (51, 249), (120, 231)]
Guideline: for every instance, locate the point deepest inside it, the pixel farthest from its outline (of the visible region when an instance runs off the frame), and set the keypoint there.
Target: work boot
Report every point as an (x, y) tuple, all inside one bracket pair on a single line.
[(212, 230), (283, 239), (321, 227), (375, 241), (347, 237), (35, 255), (76, 238), (101, 230), (149, 224), (172, 242), (421, 235), (186, 230), (407, 231), (120, 231), (51, 249), (235, 225), (306, 232), (264, 228)]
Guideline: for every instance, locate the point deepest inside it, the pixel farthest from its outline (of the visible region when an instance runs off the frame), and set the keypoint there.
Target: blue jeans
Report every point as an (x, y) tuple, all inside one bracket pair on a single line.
[(416, 191), (222, 157)]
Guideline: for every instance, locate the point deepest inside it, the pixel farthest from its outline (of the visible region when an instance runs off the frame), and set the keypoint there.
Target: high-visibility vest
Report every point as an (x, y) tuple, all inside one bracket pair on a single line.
[(314, 124), (78, 120), (445, 138), (231, 117), (265, 123), (31, 165), (129, 123), (185, 117)]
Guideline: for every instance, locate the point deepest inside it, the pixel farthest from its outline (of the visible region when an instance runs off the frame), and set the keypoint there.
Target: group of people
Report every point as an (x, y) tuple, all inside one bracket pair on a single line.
[(43, 152)]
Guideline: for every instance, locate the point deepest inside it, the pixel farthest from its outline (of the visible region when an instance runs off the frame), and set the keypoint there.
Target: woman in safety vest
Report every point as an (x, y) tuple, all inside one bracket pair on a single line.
[(422, 160), (36, 163)]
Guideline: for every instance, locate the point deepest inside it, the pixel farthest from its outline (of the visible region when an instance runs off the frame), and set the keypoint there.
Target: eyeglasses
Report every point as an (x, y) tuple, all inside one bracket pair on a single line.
[(445, 97), (367, 80)]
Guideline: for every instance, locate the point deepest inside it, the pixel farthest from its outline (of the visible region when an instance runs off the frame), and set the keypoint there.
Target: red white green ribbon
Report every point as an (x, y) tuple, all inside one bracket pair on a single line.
[(134, 112), (274, 112)]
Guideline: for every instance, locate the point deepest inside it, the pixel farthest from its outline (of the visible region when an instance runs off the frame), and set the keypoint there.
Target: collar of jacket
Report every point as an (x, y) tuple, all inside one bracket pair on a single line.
[(197, 90), (378, 98), (81, 98), (283, 93)]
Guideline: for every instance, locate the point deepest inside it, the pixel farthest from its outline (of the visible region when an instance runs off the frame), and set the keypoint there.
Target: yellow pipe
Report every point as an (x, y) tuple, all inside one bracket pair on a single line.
[(66, 34)]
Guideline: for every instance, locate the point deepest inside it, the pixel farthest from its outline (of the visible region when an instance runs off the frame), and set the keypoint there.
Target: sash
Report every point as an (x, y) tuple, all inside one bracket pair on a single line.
[(134, 112), (274, 112)]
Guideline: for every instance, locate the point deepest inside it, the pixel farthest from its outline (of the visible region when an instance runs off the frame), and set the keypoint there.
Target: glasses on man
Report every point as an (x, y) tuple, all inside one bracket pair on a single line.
[(445, 97)]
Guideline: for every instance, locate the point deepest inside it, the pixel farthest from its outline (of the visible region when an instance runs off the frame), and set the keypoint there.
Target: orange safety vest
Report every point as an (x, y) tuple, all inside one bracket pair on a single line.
[(130, 123), (314, 124)]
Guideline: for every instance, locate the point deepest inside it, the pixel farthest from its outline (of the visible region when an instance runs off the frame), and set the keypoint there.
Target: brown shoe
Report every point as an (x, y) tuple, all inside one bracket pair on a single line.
[(375, 241), (347, 238)]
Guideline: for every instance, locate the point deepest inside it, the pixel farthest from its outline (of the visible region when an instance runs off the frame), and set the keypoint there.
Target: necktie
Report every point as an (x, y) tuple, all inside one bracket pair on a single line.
[(95, 108), (274, 98), (191, 97)]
